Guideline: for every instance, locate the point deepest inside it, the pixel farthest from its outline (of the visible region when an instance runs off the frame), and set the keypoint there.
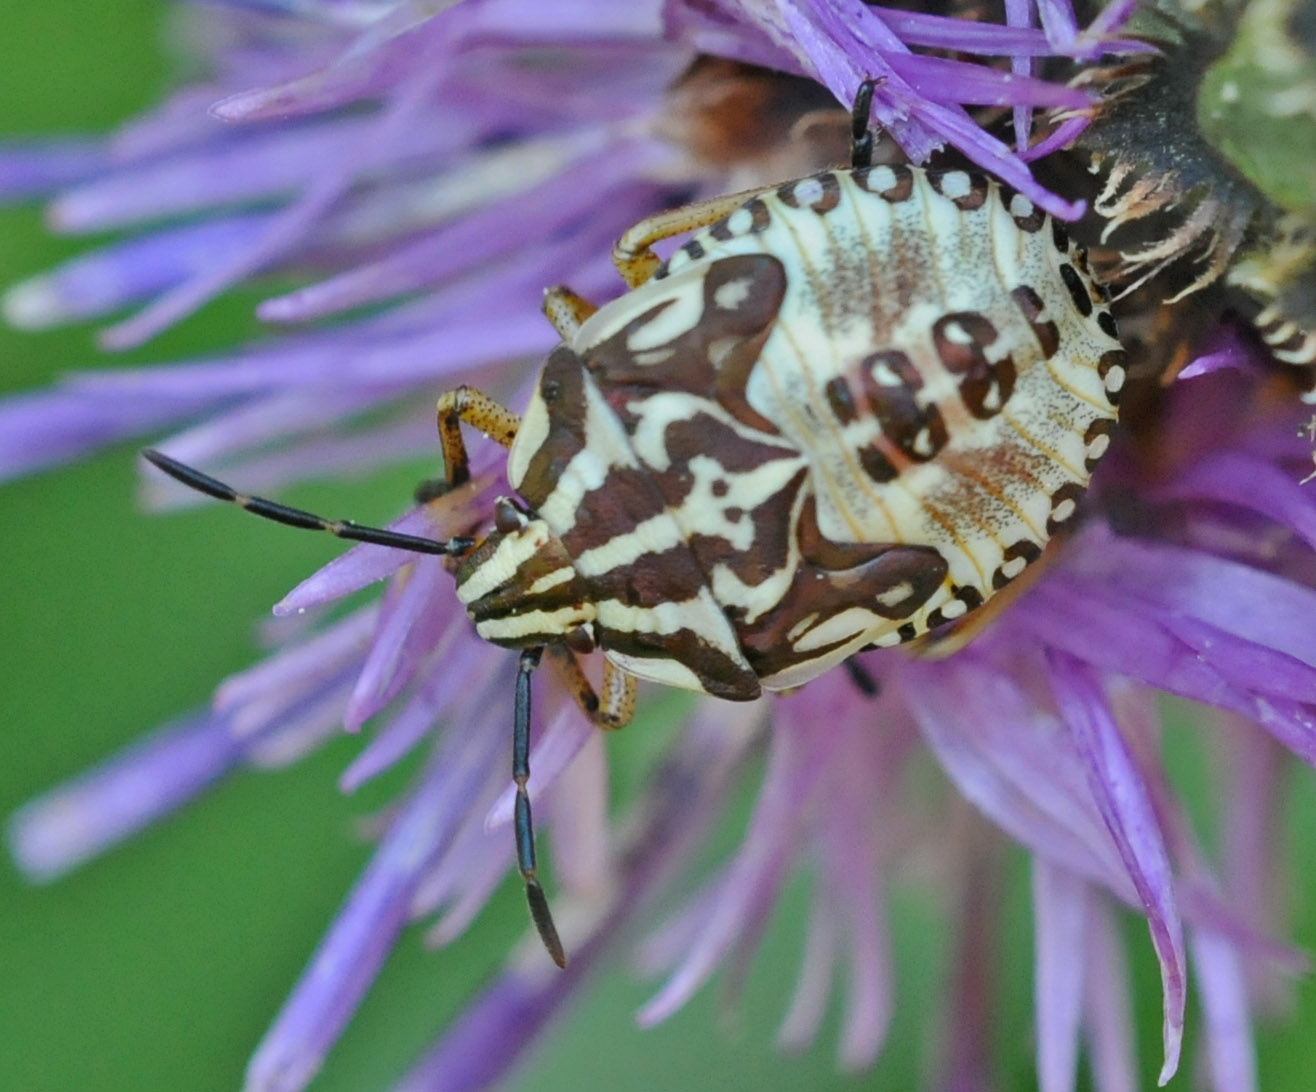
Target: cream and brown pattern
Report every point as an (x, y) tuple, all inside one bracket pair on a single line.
[(849, 412)]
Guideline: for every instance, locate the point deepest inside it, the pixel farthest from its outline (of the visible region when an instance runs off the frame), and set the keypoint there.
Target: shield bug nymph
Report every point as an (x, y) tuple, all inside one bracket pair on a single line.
[(849, 409)]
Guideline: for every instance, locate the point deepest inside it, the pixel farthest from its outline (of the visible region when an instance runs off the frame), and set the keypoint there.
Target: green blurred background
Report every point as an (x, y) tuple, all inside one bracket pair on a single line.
[(160, 965)]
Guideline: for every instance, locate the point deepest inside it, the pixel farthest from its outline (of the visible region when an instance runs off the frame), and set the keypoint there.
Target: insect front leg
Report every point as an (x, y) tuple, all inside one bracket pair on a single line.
[(477, 409), (612, 705)]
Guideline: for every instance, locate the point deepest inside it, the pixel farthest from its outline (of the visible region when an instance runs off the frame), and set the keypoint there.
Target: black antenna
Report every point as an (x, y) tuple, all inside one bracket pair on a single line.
[(296, 517), (453, 547), (525, 827)]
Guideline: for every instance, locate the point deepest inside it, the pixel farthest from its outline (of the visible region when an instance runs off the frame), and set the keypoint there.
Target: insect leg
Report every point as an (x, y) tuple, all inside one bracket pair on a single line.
[(862, 678), (612, 706), (296, 517), (478, 410), (861, 135), (566, 310), (525, 827), (633, 255)]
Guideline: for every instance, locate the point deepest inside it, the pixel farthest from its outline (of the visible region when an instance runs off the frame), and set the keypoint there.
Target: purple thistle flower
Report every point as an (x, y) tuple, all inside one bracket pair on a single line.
[(427, 175)]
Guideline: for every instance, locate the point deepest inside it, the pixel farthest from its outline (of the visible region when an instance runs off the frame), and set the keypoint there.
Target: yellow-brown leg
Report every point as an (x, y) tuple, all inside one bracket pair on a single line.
[(613, 705), (477, 409), (633, 255), (566, 310)]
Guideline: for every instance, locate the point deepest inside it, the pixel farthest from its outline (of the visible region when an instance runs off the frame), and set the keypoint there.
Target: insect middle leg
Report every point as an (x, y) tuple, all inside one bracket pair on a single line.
[(612, 705), (566, 310), (477, 409)]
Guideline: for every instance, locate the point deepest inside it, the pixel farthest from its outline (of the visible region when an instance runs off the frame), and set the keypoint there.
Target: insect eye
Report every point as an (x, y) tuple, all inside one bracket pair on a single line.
[(508, 518)]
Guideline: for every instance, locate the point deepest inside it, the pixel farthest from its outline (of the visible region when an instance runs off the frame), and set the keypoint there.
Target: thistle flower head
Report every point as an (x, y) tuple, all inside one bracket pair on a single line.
[(425, 171)]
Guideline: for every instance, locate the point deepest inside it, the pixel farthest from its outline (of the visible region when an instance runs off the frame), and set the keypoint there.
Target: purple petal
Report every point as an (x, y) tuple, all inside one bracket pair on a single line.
[(35, 167), (1065, 134), (966, 35), (413, 614), (393, 137), (421, 357), (48, 427), (808, 1006), (1060, 912), (1249, 483), (352, 952), (302, 668), (672, 815), (963, 1065), (491, 232), (477, 857), (1109, 20), (580, 834), (1018, 766), (282, 232), (796, 761), (1059, 23), (407, 436), (353, 77), (1123, 634), (949, 82), (1246, 665), (1253, 793), (716, 33), (1251, 604), (512, 284), (493, 1032), (1230, 1043), (988, 152), (1019, 13), (459, 655), (870, 998), (225, 172), (918, 125), (88, 814), (124, 273), (1108, 1014), (1122, 797)]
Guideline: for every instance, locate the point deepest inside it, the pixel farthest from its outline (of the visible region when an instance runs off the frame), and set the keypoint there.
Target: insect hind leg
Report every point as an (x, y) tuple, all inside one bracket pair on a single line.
[(861, 133), (633, 255), (612, 705)]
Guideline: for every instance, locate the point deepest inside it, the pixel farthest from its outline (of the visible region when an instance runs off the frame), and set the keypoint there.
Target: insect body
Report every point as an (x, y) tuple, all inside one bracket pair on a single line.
[(849, 409)]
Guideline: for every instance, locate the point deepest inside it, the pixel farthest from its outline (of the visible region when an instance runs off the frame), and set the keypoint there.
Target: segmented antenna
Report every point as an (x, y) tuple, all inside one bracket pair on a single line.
[(297, 517), (525, 828), (453, 547)]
